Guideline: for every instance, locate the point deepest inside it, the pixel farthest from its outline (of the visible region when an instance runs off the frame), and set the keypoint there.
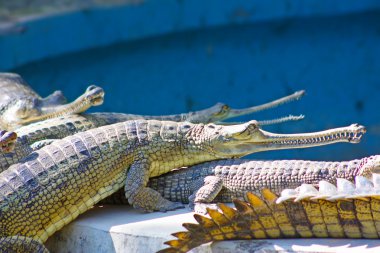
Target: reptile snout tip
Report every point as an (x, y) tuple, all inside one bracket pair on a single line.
[(95, 95), (357, 134)]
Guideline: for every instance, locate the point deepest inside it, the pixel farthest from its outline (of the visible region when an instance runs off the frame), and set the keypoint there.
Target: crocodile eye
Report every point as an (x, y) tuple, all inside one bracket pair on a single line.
[(21, 110), (253, 125), (225, 109)]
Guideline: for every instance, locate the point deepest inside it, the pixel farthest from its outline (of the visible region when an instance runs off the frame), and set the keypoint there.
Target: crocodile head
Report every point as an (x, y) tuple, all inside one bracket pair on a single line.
[(242, 139), (369, 166), (28, 109), (220, 111), (215, 113)]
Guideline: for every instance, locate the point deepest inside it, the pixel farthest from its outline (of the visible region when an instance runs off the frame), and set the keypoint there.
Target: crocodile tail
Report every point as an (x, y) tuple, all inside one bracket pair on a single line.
[(195, 236), (342, 211), (249, 220)]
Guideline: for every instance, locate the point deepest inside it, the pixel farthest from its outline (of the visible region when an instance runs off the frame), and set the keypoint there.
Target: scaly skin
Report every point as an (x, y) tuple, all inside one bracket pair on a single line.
[(344, 211), (40, 133), (20, 105), (53, 185), (224, 180)]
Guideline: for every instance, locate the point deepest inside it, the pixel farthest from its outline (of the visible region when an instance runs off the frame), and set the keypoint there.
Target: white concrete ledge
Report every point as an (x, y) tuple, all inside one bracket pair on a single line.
[(122, 229)]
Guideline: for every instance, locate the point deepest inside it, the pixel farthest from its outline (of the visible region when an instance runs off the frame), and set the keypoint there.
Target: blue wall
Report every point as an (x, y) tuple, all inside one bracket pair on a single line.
[(156, 58)]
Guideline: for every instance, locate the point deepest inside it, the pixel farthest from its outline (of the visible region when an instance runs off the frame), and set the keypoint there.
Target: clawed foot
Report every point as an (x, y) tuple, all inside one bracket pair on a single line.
[(149, 200), (7, 141)]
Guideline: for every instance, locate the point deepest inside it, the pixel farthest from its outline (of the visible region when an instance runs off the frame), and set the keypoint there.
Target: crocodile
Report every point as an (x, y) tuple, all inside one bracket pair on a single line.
[(224, 180), (342, 211), (21, 105), (41, 133), (54, 184), (18, 98)]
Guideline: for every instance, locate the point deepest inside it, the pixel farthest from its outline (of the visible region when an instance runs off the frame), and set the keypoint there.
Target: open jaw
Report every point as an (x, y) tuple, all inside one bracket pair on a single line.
[(261, 140)]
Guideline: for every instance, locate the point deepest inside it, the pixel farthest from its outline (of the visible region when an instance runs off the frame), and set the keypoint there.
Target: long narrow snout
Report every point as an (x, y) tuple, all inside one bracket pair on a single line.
[(240, 112), (352, 134), (257, 140)]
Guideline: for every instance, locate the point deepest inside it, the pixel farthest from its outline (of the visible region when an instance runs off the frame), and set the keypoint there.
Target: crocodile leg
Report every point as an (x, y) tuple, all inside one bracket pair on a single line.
[(143, 197), (21, 244), (207, 190)]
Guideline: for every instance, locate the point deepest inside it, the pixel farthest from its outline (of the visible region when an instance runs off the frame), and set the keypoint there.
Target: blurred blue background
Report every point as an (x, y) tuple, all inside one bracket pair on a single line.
[(165, 57)]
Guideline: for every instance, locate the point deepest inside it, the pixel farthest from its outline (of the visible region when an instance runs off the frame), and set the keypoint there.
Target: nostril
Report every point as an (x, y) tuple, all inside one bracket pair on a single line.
[(91, 87)]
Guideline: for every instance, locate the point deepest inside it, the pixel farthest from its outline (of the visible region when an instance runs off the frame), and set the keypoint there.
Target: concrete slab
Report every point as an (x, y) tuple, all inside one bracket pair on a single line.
[(122, 229)]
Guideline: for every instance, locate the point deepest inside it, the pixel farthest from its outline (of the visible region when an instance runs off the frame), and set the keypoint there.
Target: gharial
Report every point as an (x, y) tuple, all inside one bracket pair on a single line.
[(21, 105), (224, 180), (342, 211), (33, 136), (53, 185)]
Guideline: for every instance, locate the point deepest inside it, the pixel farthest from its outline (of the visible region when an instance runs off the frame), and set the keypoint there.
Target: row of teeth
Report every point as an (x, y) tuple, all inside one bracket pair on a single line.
[(363, 188), (337, 136)]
